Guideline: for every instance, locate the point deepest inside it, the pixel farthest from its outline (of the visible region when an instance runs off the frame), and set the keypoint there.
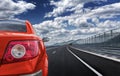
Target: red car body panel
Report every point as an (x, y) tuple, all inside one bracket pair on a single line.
[(40, 62)]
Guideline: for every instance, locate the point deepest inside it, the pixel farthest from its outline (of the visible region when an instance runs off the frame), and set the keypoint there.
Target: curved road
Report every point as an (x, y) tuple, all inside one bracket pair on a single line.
[(69, 61)]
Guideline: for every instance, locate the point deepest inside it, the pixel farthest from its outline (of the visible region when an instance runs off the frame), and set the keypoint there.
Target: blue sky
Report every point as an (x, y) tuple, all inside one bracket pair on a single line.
[(37, 14), (43, 6), (64, 20)]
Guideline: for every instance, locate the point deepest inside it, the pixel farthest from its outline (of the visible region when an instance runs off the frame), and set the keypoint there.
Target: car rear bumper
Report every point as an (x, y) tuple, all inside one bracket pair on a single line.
[(35, 67)]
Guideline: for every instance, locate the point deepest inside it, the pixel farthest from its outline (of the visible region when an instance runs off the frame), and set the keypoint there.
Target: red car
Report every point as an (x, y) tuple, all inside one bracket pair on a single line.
[(22, 52)]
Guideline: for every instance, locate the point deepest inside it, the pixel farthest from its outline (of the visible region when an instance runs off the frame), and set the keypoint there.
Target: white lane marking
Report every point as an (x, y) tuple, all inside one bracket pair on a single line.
[(96, 54), (91, 68), (53, 52)]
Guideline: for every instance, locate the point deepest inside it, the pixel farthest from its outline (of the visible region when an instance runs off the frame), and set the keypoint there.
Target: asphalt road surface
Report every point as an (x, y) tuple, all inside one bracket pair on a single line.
[(69, 61)]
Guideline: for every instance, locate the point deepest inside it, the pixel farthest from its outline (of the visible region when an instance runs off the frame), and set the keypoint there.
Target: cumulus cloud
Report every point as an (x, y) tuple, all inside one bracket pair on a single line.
[(62, 6), (95, 20), (9, 8), (67, 5), (106, 11), (109, 24), (82, 23)]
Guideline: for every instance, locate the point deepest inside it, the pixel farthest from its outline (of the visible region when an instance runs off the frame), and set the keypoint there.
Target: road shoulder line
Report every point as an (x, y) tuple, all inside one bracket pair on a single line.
[(87, 65), (99, 55)]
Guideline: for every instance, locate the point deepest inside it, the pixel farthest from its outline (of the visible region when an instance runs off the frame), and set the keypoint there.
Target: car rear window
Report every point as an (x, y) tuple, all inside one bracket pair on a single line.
[(12, 25)]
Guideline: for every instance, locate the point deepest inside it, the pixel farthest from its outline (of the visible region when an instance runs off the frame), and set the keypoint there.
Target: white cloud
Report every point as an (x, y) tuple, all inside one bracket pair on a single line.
[(109, 24), (67, 5), (106, 11), (95, 20), (76, 25), (9, 8)]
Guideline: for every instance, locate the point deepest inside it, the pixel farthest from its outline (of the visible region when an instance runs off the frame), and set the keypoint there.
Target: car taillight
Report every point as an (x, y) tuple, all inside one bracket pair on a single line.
[(20, 51)]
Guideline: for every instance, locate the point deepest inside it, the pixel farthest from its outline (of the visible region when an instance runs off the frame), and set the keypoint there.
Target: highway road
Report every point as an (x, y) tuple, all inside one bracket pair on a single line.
[(71, 61)]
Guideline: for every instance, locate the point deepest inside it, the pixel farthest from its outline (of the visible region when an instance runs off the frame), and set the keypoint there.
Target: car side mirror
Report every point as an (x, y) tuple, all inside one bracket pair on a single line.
[(45, 39)]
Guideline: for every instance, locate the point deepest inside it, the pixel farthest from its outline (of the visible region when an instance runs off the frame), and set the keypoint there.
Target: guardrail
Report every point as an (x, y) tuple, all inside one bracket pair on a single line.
[(109, 38)]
